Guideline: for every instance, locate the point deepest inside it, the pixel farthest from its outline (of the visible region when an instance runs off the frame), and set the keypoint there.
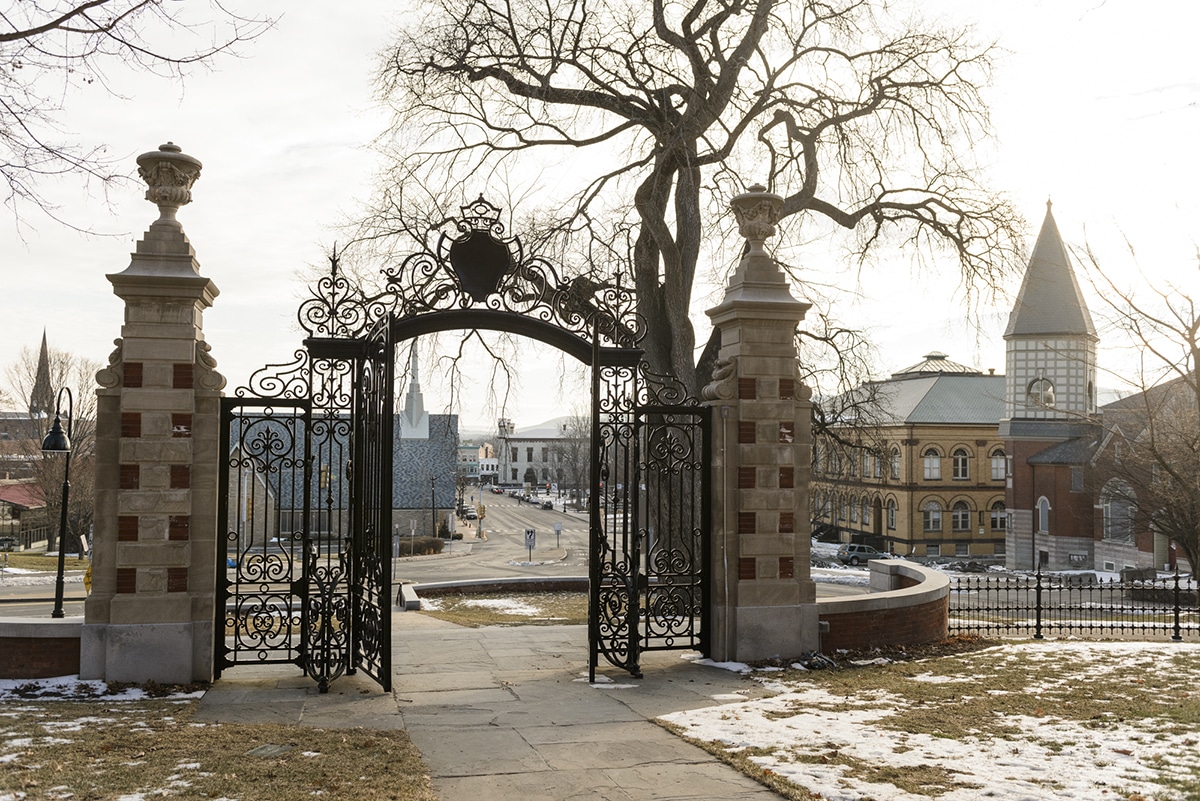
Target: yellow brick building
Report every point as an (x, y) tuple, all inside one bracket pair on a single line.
[(914, 464)]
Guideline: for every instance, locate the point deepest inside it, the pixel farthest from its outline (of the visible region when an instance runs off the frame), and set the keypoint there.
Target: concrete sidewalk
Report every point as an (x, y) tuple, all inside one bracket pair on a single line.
[(507, 713)]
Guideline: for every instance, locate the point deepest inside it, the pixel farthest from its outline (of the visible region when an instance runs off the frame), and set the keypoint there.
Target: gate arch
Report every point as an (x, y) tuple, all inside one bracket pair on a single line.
[(307, 458)]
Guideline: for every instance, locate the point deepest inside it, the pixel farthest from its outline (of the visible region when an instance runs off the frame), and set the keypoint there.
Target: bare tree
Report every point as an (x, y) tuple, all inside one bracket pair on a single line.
[(49, 48), (650, 115), (77, 374), (1144, 472), (573, 455)]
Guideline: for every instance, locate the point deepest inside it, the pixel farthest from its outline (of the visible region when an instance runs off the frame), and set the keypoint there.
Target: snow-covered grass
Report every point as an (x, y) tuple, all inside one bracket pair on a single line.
[(1017, 722)]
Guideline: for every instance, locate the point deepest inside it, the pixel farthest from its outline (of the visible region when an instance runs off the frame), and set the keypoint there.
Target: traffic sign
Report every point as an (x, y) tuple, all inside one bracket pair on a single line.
[(530, 540)]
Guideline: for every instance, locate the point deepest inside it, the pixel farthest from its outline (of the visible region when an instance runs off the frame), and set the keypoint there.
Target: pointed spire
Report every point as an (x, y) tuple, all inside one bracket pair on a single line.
[(41, 398), (414, 423), (1050, 303)]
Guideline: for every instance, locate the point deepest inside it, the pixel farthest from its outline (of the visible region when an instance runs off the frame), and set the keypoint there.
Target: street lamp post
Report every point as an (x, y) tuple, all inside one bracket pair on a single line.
[(433, 508), (59, 441)]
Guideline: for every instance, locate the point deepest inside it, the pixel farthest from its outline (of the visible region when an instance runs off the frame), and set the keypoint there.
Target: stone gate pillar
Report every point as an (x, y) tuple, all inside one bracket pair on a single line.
[(149, 616), (763, 594)]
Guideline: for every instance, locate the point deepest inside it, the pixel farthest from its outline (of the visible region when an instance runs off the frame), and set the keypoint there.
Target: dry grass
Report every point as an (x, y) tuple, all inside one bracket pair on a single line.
[(104, 750), (980, 697), (36, 560), (536, 609)]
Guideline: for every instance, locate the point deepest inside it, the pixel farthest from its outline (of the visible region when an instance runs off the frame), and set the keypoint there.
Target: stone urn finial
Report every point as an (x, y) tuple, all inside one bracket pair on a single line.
[(169, 173), (757, 212)]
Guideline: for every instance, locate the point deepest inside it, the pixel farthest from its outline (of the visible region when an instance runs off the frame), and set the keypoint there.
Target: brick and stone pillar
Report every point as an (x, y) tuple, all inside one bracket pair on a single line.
[(763, 592), (149, 616)]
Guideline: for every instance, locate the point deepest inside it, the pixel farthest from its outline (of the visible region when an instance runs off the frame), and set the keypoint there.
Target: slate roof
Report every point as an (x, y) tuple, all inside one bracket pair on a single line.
[(954, 398), (1073, 451), (1049, 303)]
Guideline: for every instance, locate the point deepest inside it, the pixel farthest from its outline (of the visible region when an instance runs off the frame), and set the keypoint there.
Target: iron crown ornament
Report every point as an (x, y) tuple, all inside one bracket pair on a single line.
[(478, 256)]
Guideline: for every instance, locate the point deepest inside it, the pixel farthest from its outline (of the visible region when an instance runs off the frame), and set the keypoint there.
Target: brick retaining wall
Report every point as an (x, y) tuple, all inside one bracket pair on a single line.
[(39, 648), (909, 605)]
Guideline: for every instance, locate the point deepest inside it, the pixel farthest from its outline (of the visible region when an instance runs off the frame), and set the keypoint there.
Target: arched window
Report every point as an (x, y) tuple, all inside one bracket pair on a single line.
[(1043, 515), (895, 463), (931, 514), (1041, 392), (998, 465), (866, 511), (933, 464), (852, 458), (853, 510), (1120, 507), (999, 517), (817, 453), (891, 514), (960, 517), (877, 465), (962, 464)]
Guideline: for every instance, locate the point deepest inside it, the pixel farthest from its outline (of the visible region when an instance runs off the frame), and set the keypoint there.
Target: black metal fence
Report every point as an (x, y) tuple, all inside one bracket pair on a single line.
[(1042, 603)]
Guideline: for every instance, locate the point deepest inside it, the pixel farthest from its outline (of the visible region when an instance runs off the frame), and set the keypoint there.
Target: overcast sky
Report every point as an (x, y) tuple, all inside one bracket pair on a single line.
[(1095, 106)]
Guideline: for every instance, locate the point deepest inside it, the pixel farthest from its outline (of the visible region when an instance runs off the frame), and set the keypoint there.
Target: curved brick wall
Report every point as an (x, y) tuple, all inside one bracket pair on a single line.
[(909, 604), (39, 648)]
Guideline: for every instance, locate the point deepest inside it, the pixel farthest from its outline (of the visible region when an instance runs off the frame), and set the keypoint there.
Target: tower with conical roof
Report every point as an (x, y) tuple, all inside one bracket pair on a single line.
[(1050, 408), (41, 397)]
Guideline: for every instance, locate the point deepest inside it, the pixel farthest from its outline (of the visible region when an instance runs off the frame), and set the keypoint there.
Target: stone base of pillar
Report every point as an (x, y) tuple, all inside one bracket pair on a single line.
[(166, 653), (754, 633)]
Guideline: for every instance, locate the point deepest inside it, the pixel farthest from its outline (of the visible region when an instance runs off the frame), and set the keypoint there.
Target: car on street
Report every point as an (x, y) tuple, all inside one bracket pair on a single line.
[(856, 554), (547, 504), (471, 514)]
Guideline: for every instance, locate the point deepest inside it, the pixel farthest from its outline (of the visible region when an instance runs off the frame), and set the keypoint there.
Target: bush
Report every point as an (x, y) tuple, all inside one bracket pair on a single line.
[(419, 546)]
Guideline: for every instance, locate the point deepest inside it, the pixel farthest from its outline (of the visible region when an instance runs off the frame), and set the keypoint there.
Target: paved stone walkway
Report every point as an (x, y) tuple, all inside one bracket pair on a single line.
[(507, 713)]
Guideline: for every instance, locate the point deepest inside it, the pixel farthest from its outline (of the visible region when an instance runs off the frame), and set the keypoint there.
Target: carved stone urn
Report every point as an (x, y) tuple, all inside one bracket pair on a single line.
[(169, 173)]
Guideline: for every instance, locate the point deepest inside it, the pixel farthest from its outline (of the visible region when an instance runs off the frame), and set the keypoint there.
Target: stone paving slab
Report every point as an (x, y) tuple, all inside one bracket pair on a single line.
[(507, 714)]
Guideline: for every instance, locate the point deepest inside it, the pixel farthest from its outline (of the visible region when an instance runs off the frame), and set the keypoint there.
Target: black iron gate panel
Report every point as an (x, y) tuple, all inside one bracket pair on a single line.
[(650, 519), (260, 587), (671, 508), (370, 586)]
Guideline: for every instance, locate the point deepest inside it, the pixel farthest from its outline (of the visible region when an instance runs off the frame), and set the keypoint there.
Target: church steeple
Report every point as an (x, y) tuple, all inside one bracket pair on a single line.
[(414, 422), (1051, 347), (1050, 302), (41, 397)]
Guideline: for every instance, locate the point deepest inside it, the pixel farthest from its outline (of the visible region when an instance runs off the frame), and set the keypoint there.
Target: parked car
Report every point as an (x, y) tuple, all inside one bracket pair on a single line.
[(472, 514), (547, 504), (8, 543), (855, 554)]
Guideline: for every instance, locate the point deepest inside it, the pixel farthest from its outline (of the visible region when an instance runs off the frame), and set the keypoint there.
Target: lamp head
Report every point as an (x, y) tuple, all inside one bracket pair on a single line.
[(56, 440)]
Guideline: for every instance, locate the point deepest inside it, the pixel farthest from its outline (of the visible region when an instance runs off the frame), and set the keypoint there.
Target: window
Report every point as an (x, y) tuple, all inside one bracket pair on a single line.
[(545, 474), (1120, 507), (891, 515), (866, 511), (999, 517), (962, 465), (841, 508), (817, 451), (514, 474), (1076, 479), (999, 463), (1041, 393), (931, 516), (529, 454), (545, 454), (895, 472), (515, 451), (962, 549), (933, 464), (853, 511), (960, 517), (867, 462), (853, 460), (1043, 515)]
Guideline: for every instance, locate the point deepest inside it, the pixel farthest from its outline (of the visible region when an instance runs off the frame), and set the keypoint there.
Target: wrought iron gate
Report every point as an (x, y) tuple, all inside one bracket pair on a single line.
[(649, 561), (303, 566), (307, 464)]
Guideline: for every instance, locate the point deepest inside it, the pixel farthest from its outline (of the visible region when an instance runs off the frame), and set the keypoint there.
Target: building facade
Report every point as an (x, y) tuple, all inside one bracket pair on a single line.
[(554, 454), (913, 465)]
